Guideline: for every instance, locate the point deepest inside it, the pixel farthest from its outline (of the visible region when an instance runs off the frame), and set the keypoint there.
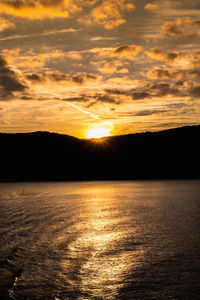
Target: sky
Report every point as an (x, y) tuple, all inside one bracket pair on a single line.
[(68, 66)]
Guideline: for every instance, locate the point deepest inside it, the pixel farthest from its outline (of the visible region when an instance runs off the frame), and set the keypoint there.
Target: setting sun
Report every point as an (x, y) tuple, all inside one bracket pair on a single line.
[(98, 133), (102, 130)]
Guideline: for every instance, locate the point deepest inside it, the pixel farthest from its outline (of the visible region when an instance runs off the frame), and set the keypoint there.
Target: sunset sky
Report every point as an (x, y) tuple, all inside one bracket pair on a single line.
[(129, 66)]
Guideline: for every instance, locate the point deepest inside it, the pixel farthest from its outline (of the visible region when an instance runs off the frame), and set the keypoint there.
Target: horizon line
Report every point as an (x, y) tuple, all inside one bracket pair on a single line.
[(105, 137)]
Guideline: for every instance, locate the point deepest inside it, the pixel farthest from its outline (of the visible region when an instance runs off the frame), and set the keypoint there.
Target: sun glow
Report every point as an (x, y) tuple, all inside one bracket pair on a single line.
[(101, 130)]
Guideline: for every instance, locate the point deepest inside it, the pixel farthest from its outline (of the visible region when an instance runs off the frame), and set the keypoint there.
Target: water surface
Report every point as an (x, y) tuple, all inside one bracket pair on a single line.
[(100, 240)]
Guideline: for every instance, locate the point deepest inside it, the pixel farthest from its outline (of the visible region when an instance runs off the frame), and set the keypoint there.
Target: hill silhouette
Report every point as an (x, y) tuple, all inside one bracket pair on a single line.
[(44, 156)]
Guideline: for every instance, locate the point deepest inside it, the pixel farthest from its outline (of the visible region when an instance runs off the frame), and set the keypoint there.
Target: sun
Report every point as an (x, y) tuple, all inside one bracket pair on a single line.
[(99, 131)]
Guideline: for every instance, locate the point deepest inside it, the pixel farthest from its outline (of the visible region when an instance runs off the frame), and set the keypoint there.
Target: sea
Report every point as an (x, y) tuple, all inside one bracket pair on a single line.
[(100, 240)]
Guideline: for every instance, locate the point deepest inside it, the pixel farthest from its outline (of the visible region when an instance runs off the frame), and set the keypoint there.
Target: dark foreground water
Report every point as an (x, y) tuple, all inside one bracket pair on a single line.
[(100, 240)]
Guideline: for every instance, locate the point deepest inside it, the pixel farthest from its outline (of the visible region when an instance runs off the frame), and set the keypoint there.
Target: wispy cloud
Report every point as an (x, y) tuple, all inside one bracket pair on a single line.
[(46, 33)]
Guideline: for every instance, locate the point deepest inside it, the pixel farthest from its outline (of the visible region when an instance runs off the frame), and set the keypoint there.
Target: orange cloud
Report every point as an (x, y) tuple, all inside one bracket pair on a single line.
[(162, 56), (109, 13), (113, 67), (182, 27), (151, 6), (182, 60), (171, 74), (4, 24), (125, 51), (115, 82), (36, 9), (163, 5)]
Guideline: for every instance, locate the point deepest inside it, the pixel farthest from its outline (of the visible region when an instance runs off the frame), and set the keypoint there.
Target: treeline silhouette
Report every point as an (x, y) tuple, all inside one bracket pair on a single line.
[(44, 156)]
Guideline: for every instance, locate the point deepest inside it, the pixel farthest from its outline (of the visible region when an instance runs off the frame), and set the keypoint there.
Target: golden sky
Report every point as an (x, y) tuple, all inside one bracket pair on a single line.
[(68, 65)]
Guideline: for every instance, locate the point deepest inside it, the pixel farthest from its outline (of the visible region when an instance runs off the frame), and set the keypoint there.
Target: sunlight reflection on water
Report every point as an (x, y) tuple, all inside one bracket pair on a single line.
[(101, 235), (100, 240)]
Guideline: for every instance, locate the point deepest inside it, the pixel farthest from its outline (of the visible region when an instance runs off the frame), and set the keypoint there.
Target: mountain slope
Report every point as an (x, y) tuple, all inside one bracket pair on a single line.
[(173, 153)]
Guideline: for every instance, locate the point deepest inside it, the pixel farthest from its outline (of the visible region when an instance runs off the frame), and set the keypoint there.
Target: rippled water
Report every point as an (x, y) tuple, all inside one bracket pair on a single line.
[(100, 240)]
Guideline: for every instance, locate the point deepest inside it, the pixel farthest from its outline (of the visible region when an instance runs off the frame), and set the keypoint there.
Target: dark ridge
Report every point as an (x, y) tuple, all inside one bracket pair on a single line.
[(44, 156)]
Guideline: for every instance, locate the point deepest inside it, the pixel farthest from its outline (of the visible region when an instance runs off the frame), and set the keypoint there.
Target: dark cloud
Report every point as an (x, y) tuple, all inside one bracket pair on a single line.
[(52, 76), (195, 92), (174, 106), (163, 89), (166, 109), (185, 86), (195, 73), (26, 97), (34, 77), (58, 76), (157, 89), (139, 95), (51, 2), (118, 91), (124, 51), (3, 62), (154, 90), (162, 55), (101, 98), (91, 76), (20, 4), (171, 74), (91, 100), (148, 112), (182, 28), (125, 48), (78, 79), (10, 80), (135, 94), (106, 99), (159, 73), (81, 98)]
